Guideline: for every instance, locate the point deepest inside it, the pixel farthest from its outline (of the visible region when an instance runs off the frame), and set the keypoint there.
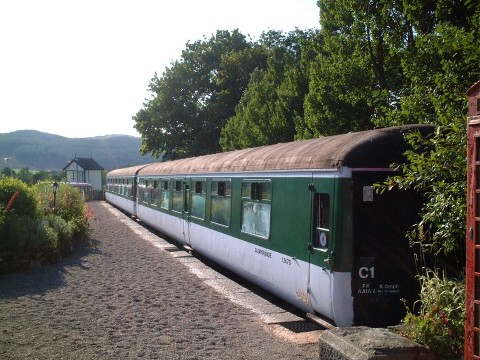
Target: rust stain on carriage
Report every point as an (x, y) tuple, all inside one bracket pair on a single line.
[(329, 152)]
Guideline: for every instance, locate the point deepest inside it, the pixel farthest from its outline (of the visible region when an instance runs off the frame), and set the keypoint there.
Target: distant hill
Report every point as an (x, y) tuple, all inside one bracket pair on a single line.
[(42, 151)]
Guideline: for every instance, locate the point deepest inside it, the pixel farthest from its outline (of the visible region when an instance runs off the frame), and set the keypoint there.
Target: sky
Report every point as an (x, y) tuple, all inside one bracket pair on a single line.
[(81, 68)]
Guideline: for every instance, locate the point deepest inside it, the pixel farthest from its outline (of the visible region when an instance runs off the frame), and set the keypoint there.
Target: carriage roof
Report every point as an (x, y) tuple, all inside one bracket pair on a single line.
[(365, 149), (128, 171)]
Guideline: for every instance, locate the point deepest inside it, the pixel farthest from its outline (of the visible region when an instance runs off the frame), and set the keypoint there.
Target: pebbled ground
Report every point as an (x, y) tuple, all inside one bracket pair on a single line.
[(126, 299)]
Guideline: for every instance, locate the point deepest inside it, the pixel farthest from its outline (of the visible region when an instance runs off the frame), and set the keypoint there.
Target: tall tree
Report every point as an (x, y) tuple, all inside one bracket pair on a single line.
[(273, 102), (439, 69), (196, 95), (356, 76)]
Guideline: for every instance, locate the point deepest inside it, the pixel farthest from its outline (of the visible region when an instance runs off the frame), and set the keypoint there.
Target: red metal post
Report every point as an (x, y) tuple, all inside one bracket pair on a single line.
[(472, 321)]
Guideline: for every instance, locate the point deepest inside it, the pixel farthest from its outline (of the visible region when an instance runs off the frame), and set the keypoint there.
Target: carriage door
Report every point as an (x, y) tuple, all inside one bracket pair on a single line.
[(133, 189), (319, 250), (186, 200), (472, 322), (186, 212), (321, 221)]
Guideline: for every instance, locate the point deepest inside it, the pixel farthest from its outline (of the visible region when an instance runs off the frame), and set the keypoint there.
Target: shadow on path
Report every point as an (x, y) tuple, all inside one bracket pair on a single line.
[(40, 279)]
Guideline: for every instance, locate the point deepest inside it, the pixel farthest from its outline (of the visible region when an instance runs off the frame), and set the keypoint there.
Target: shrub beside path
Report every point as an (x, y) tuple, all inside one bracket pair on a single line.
[(126, 299)]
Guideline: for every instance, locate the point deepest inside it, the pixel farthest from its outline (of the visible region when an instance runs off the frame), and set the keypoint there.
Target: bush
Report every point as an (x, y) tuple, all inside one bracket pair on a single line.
[(440, 322), (27, 233), (64, 231), (27, 236), (69, 205), (3, 215), (11, 230), (18, 198), (43, 240)]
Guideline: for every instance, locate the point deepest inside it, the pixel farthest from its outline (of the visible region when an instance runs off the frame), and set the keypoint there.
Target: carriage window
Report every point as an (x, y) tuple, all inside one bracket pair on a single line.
[(198, 199), (154, 192), (124, 189), (321, 215), (256, 208), (146, 192), (130, 186), (177, 196), (141, 187), (221, 202), (165, 201)]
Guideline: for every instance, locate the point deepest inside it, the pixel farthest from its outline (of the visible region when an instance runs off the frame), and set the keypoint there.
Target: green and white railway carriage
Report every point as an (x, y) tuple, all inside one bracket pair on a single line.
[(122, 188), (299, 219)]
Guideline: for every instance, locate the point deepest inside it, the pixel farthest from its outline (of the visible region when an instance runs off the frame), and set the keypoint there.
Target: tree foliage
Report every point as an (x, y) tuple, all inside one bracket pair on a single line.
[(356, 74), (435, 168), (195, 96), (272, 104), (438, 70)]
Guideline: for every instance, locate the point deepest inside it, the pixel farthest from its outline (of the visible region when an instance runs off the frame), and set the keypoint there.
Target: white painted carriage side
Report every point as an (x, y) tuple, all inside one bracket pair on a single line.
[(169, 225), (342, 298), (121, 202), (280, 274)]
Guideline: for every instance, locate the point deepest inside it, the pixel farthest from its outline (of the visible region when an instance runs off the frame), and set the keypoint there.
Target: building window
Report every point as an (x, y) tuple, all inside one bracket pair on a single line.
[(256, 208), (221, 202)]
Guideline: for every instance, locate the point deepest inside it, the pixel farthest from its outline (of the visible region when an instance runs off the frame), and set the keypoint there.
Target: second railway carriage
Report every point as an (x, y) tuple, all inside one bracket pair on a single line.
[(122, 188), (299, 219)]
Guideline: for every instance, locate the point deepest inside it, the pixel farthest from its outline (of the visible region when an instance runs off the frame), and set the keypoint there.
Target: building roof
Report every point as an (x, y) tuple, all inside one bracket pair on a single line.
[(85, 164)]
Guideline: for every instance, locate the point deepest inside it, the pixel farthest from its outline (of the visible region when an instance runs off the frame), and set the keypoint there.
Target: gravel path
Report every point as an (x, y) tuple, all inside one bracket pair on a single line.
[(126, 299)]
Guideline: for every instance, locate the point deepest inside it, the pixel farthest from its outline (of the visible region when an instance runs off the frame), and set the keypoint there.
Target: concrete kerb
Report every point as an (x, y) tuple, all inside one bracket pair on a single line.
[(363, 343)]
